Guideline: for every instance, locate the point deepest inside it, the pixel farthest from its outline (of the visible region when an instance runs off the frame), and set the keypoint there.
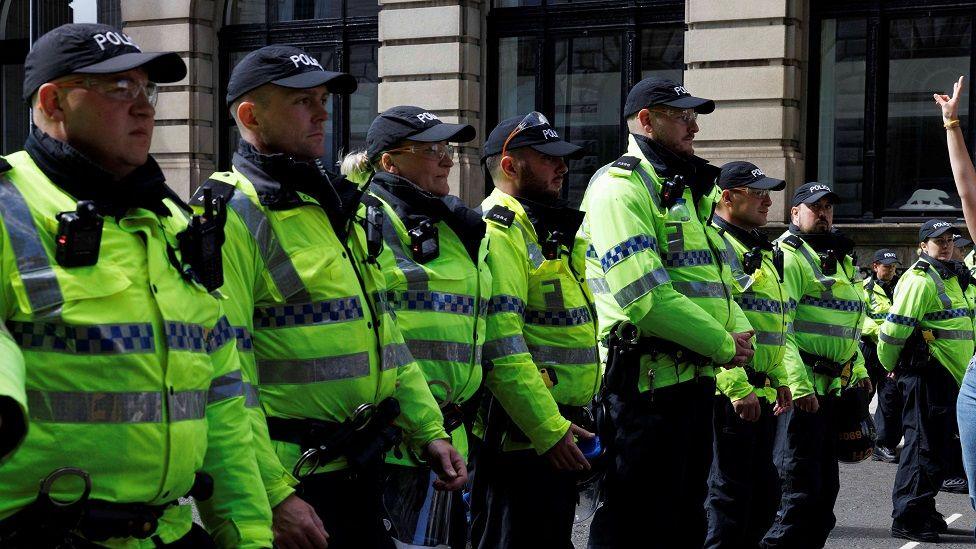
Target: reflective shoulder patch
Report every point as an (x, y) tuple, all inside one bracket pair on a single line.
[(218, 188), (628, 163), (794, 241), (500, 215), (4, 165)]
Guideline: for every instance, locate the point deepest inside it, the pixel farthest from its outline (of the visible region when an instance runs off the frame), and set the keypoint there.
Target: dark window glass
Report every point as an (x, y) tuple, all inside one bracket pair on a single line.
[(243, 12), (297, 10), (516, 75), (841, 124), (663, 52), (110, 12), (926, 54), (362, 104)]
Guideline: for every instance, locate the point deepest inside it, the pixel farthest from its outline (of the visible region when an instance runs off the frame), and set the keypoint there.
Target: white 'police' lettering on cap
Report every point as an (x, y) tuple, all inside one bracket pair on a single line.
[(550, 134), (757, 173), (427, 117), (306, 60), (680, 90), (940, 225), (815, 188), (114, 38), (889, 254)]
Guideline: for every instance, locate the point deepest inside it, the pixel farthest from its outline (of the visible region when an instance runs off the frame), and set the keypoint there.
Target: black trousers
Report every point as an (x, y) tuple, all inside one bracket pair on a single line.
[(887, 417), (806, 456), (350, 506), (519, 500), (929, 420), (656, 487), (743, 486)]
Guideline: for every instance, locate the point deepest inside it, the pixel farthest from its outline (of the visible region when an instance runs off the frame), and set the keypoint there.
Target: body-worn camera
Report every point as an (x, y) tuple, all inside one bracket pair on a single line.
[(374, 232), (424, 242), (79, 236), (200, 243), (828, 262), (672, 190), (779, 261), (752, 260), (551, 247)]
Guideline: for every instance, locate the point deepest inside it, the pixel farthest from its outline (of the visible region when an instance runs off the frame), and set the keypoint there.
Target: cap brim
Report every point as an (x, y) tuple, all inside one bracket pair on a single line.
[(815, 197), (337, 82), (962, 242), (701, 106), (940, 232), (887, 261), (456, 133), (160, 67), (769, 184), (559, 148)]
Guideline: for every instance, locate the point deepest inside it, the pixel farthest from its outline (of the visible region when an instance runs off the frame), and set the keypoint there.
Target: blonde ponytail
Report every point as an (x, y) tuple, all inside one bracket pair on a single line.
[(356, 167)]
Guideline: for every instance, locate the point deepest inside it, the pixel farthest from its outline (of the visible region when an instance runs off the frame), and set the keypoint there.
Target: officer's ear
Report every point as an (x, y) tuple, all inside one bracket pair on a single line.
[(386, 162), (727, 197), (644, 116), (49, 102), (508, 166), (246, 115)]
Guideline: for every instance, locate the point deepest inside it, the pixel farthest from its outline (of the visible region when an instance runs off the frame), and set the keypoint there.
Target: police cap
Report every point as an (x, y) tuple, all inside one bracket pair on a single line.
[(886, 256), (810, 193), (961, 241), (89, 48), (413, 123), (934, 228), (746, 174), (542, 138), (653, 91), (285, 66)]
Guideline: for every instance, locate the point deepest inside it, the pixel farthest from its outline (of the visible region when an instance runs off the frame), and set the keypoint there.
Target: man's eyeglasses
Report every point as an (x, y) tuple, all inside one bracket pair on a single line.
[(687, 116), (434, 151), (119, 89), (758, 193)]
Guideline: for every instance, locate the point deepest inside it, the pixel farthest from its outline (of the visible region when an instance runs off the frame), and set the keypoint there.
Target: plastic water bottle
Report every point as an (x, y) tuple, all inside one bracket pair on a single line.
[(679, 212)]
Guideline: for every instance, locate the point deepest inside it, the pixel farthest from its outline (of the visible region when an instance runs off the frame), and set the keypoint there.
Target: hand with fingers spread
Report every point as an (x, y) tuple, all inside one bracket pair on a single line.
[(950, 105), (784, 400), (565, 455), (748, 408), (296, 525), (449, 465)]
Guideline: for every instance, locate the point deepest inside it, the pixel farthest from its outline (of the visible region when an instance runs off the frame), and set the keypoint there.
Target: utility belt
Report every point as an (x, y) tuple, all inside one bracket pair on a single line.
[(47, 522), (829, 368), (626, 347), (756, 378), (915, 355), (363, 439)]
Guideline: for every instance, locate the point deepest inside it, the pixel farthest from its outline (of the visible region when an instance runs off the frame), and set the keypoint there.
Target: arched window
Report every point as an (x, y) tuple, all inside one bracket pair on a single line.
[(341, 34)]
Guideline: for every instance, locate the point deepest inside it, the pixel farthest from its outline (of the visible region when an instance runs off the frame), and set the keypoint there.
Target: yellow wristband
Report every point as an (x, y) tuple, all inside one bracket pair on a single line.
[(951, 124)]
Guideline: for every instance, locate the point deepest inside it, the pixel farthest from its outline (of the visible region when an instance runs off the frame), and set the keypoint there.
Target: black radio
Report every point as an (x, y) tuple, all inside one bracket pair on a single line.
[(752, 260), (200, 243), (79, 236), (828, 262), (424, 242), (551, 247), (672, 190)]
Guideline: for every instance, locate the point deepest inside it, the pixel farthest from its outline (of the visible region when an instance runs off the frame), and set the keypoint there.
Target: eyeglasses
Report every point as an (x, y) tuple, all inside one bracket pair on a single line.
[(119, 89), (943, 242), (434, 151), (687, 116), (531, 120), (758, 193)]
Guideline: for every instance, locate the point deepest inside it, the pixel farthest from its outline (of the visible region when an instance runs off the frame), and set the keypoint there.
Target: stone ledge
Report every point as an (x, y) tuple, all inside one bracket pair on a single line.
[(726, 10), (737, 83), (745, 43)]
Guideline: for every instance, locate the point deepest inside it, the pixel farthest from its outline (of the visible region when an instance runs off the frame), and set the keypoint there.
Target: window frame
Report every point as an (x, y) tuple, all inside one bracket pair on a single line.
[(309, 34), (878, 15)]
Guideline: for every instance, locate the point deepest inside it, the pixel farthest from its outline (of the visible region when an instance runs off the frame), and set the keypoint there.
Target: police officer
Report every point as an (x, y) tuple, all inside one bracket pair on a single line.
[(438, 284), (822, 359), (337, 382), (878, 290), (541, 346), (132, 377), (655, 265), (743, 487), (927, 340), (13, 398)]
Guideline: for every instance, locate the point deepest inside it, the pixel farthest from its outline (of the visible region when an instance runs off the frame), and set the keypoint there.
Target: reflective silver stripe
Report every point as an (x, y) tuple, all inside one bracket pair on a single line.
[(770, 338), (952, 334), (732, 259), (276, 260), (940, 287), (699, 289), (598, 285), (815, 265), (547, 354), (331, 311), (82, 339), (450, 351), (416, 276), (95, 407), (186, 405), (226, 386), (638, 288), (40, 282), (313, 370), (533, 249), (649, 183), (251, 398), (396, 355), (900, 341), (832, 330), (506, 346)]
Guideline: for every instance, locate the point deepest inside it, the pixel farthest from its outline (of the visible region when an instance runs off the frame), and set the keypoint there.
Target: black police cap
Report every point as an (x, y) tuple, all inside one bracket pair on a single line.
[(746, 174), (810, 193), (886, 256), (934, 228), (413, 123), (285, 66), (653, 91), (961, 241), (542, 138), (89, 48)]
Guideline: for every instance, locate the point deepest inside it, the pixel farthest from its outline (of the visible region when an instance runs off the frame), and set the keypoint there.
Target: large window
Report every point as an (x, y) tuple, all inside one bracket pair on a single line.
[(574, 61), (874, 130), (341, 34)]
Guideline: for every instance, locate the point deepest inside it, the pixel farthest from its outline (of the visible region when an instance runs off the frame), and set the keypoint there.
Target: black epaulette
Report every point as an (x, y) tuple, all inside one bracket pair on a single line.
[(922, 265), (4, 165), (794, 241), (219, 189), (501, 215), (628, 163)]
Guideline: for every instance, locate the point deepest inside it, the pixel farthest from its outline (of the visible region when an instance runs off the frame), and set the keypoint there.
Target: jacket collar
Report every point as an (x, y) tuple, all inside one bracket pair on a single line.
[(946, 269), (751, 239), (699, 175), (821, 242), (81, 178), (553, 216)]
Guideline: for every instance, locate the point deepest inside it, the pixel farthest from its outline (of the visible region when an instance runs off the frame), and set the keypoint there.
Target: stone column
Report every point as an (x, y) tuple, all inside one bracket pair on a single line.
[(430, 56), (184, 140), (750, 57)]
